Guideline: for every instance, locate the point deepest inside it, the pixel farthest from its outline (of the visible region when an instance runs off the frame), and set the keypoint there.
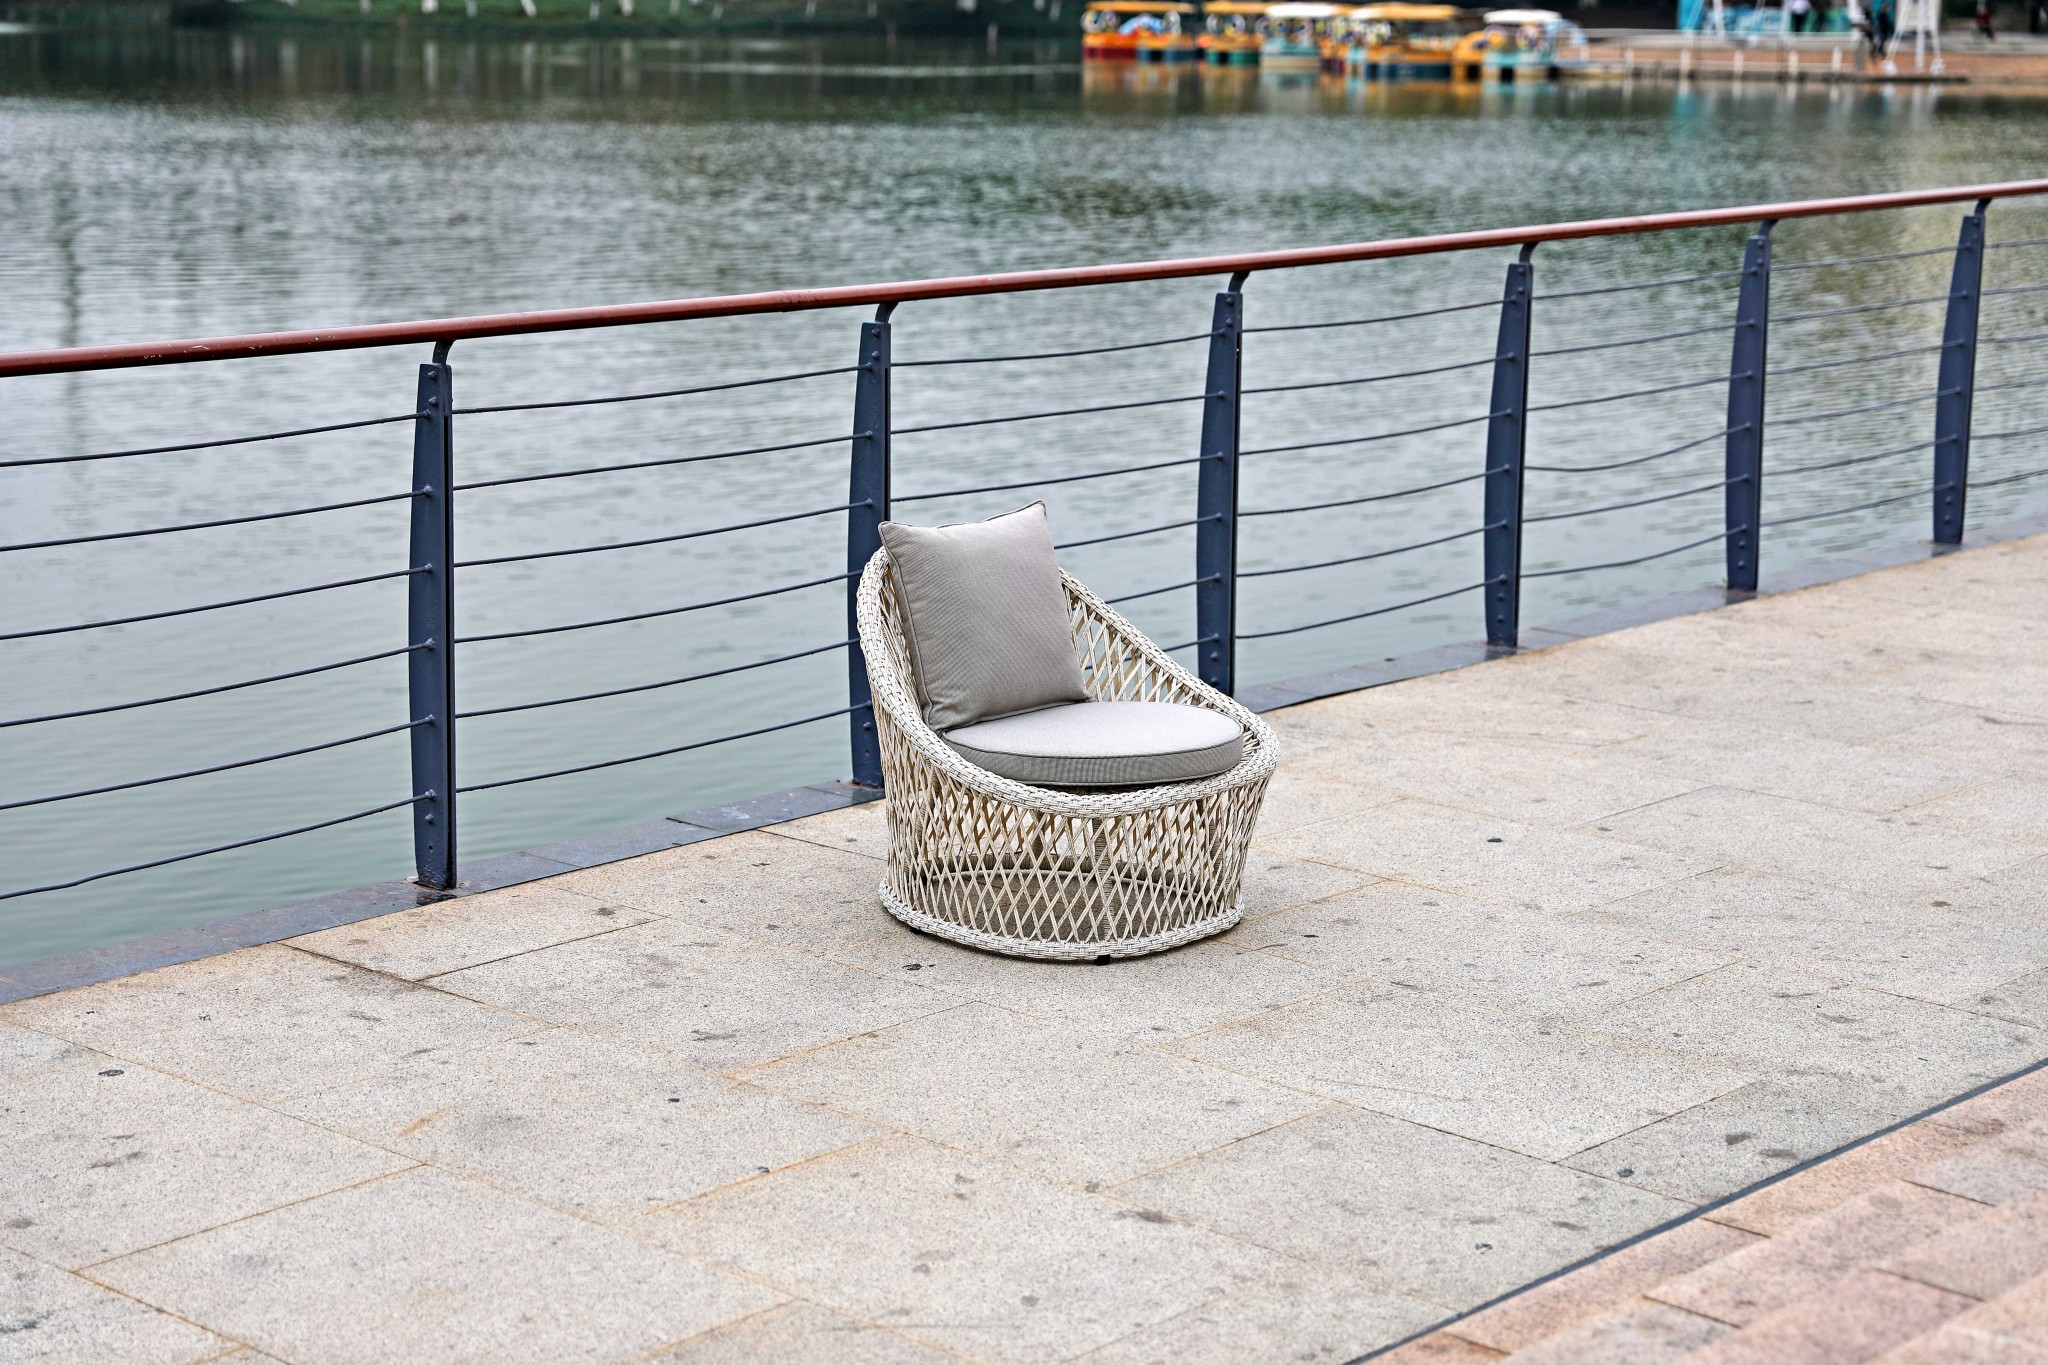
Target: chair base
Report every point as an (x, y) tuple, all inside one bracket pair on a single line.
[(1059, 950)]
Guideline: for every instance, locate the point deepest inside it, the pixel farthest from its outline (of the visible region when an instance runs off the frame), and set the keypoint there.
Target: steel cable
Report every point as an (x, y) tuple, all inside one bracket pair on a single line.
[(1639, 459), (1061, 412), (219, 767), (1371, 497), (649, 615), (1360, 616), (655, 464), (218, 848), (1171, 587), (1374, 436), (2010, 478), (1372, 378), (1639, 393), (212, 606), (1388, 317), (213, 691), (1043, 483), (1863, 260), (663, 393), (1859, 507), (1719, 327), (657, 753), (1851, 461), (657, 540), (653, 686), (2002, 435), (1777, 370), (208, 525), (1376, 554), (1132, 535), (1643, 284), (1642, 559), (1857, 308), (210, 445), (1805, 417), (1637, 502), (1050, 355)]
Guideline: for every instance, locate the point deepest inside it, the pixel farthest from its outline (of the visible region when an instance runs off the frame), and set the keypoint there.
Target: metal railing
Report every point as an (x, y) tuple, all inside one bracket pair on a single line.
[(1500, 467)]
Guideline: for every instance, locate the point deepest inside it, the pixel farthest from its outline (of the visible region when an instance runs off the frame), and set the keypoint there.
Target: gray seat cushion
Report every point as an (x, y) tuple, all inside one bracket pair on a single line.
[(1104, 744), (985, 617)]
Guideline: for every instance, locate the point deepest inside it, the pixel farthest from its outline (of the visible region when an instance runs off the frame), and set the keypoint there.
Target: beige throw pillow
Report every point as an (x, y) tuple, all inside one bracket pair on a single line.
[(986, 617)]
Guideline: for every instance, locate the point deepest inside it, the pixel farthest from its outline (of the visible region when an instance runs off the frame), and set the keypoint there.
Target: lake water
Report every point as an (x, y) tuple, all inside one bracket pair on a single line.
[(169, 185)]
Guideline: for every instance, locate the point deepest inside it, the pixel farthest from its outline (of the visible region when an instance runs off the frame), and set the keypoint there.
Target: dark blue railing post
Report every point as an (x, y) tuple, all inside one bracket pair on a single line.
[(868, 491), (1743, 496), (1216, 496), (1507, 435), (1957, 388), (430, 623)]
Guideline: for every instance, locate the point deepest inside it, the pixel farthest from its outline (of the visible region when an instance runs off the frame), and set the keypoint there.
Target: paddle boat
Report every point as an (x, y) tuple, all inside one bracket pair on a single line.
[(1233, 31), (1131, 30), (1534, 44), (1401, 41), (1295, 33)]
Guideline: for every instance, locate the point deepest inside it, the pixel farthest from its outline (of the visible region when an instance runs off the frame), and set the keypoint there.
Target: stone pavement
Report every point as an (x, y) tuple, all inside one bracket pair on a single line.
[(1539, 955), (1928, 1246)]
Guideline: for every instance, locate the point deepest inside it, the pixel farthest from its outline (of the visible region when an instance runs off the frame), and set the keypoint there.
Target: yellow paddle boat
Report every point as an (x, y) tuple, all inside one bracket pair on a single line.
[(1135, 30), (1233, 31), (1401, 41)]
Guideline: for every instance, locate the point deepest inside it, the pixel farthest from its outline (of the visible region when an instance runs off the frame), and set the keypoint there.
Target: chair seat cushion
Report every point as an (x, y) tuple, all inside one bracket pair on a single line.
[(1104, 744)]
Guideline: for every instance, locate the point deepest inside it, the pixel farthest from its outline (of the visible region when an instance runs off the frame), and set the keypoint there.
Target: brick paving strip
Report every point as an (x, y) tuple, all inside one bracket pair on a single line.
[(1539, 955), (1925, 1246)]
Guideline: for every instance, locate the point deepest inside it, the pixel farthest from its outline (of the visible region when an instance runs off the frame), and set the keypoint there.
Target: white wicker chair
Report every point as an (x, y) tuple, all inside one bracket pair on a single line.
[(1048, 872)]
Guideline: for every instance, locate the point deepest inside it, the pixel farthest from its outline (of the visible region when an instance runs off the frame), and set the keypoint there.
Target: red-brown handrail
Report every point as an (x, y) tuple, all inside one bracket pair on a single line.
[(132, 354)]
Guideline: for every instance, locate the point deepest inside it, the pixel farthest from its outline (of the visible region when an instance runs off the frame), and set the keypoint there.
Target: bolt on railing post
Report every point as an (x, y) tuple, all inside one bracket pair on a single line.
[(868, 491), (1507, 435), (1743, 497), (1958, 383), (430, 622), (1216, 496)]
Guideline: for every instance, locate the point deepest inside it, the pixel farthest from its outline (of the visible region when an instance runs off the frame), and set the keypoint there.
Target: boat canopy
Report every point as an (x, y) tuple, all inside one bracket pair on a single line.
[(1408, 13), (1295, 9), (1141, 6), (1520, 17)]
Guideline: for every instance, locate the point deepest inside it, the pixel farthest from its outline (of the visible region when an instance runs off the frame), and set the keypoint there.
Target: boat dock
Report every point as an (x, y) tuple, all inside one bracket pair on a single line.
[(1540, 955)]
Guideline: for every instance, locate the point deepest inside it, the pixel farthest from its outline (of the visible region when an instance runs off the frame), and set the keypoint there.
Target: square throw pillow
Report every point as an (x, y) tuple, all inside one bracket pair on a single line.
[(986, 617)]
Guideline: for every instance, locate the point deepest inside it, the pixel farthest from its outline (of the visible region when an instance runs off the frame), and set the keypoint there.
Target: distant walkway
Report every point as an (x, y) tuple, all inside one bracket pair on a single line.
[(1540, 954)]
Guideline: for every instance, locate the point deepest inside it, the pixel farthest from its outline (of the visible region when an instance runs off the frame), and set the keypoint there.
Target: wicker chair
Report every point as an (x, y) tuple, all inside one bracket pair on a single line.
[(1049, 872)]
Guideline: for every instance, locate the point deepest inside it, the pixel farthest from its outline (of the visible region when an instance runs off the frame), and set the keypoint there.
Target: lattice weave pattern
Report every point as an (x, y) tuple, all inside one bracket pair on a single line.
[(1045, 872)]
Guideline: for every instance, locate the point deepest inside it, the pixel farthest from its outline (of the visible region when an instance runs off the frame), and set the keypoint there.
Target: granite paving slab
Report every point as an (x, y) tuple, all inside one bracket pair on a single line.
[(601, 1129), (967, 1254), (449, 935), (104, 1157), (425, 1265), (1538, 955), (1061, 1100), (50, 1317)]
